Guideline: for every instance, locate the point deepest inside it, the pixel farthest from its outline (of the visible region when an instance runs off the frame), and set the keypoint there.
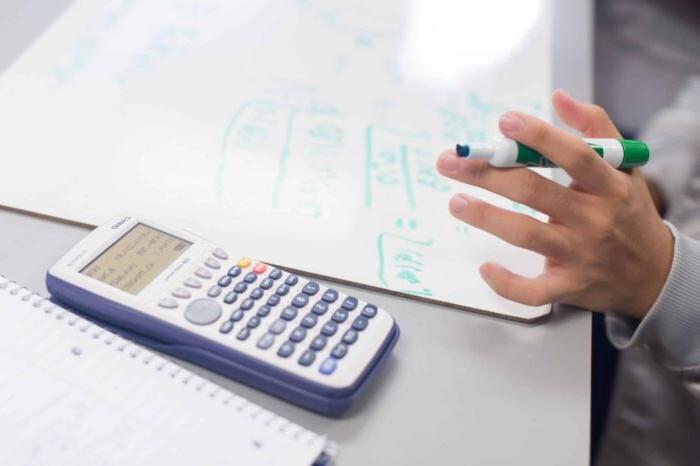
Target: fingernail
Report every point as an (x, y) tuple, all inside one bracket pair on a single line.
[(458, 203), (448, 162), (511, 123)]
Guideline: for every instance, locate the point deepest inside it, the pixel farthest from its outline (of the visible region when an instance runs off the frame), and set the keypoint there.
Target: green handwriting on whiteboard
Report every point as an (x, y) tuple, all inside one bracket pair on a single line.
[(401, 262)]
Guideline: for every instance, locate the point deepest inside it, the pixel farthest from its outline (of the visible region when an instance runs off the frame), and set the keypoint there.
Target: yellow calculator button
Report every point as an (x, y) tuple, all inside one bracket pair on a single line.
[(243, 262)]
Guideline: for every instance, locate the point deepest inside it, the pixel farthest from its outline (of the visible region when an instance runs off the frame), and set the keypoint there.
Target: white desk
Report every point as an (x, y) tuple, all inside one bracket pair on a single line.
[(461, 388)]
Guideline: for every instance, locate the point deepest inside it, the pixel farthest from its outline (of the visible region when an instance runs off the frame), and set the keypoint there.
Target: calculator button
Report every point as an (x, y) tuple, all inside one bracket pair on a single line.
[(311, 288), (212, 263), (225, 281), (231, 297), (236, 315), (318, 343), (253, 322), (214, 291), (369, 311), (181, 293), (168, 303), (243, 262), (309, 320), (307, 358), (266, 284), (243, 334), (319, 308), (234, 271), (328, 366), (247, 304), (291, 280), (203, 311), (266, 341), (273, 300), (256, 293), (300, 300), (203, 273), (340, 316), (250, 277), (286, 349), (330, 296), (329, 328), (263, 311), (226, 327), (339, 351), (282, 290), (350, 337), (275, 274), (277, 327), (289, 313), (298, 334), (220, 254), (349, 303), (260, 268), (360, 323), (193, 283), (240, 287)]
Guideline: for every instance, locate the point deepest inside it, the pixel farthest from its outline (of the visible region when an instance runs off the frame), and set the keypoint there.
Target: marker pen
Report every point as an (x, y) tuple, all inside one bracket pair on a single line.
[(504, 152)]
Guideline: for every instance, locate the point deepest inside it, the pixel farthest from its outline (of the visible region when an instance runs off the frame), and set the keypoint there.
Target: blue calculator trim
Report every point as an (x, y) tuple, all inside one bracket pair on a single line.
[(162, 336)]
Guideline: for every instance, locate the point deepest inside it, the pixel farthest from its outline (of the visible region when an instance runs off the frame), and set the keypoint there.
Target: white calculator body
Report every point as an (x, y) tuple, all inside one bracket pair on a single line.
[(258, 324)]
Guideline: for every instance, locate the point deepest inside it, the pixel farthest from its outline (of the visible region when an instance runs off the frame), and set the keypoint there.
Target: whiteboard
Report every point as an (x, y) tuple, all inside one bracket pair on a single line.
[(303, 133)]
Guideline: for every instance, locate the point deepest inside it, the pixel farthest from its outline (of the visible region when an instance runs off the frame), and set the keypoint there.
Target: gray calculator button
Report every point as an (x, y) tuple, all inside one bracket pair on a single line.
[(298, 334), (339, 351), (243, 334), (350, 337), (203, 311), (253, 322), (212, 263), (236, 315), (307, 357), (220, 254), (226, 327), (266, 341), (286, 349), (214, 291), (168, 303), (318, 343), (181, 293), (277, 326), (328, 366), (203, 273), (193, 283)]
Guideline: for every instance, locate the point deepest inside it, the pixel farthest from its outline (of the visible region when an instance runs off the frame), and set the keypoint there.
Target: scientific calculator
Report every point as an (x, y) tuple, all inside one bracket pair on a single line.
[(261, 325)]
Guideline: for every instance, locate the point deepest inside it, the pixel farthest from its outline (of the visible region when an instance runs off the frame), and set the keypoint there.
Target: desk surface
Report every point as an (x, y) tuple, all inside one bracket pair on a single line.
[(460, 388)]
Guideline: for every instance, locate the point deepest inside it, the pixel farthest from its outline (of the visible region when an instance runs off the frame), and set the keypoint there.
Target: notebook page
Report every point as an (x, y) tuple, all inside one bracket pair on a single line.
[(72, 393)]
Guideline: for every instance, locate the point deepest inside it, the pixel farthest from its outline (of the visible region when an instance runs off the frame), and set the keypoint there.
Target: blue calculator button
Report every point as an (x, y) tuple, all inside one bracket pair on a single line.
[(298, 334), (236, 315), (307, 357), (289, 313), (350, 303), (350, 337), (311, 288), (250, 277), (286, 349), (318, 343), (291, 280), (300, 300), (243, 334), (231, 297), (328, 366), (214, 291), (273, 300), (253, 322), (329, 328), (309, 320), (256, 293), (234, 271), (330, 296), (369, 311), (226, 327), (360, 323), (266, 284), (263, 311), (275, 274), (266, 341), (277, 327), (224, 281), (247, 304), (319, 308), (240, 287), (282, 290), (339, 351), (340, 316)]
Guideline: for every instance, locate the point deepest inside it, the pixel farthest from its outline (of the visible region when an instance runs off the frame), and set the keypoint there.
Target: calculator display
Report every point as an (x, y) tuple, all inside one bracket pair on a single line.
[(136, 259)]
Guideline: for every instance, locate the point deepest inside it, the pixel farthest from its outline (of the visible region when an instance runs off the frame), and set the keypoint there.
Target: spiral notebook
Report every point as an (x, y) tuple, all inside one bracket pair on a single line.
[(73, 393)]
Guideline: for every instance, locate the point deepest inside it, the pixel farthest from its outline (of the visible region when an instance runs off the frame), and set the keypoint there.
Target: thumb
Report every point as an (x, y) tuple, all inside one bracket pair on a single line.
[(591, 120)]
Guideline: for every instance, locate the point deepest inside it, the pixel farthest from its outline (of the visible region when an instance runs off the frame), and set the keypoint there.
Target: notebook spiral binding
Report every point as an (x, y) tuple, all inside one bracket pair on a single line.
[(159, 363)]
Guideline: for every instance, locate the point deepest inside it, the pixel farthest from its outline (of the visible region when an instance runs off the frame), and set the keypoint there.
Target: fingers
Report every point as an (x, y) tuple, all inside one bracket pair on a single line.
[(590, 119), (566, 150), (531, 291), (523, 186), (517, 229)]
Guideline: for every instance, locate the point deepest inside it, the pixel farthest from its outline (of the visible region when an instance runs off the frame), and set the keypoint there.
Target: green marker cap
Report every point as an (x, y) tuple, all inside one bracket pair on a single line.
[(635, 153)]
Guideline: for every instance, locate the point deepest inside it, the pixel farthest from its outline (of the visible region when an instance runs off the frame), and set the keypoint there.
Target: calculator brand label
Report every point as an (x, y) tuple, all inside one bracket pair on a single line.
[(120, 223)]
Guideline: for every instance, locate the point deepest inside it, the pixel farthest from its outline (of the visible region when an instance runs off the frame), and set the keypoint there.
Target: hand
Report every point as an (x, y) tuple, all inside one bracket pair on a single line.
[(605, 245)]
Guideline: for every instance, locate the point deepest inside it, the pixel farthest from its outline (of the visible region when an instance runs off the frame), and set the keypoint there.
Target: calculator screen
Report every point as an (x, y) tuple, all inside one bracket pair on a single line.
[(136, 259)]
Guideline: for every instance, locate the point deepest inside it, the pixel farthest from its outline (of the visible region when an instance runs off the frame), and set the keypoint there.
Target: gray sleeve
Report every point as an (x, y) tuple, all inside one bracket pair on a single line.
[(671, 328)]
